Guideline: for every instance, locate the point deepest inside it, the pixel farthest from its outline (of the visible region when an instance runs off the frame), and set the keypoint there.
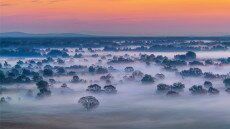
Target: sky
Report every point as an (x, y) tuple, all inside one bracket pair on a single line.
[(117, 17)]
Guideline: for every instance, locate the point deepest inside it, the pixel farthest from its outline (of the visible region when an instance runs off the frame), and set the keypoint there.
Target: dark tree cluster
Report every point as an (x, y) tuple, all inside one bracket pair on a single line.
[(97, 69), (78, 55), (224, 61), (199, 90), (192, 72), (76, 79), (89, 102), (148, 79), (108, 89), (188, 56), (43, 87), (129, 69), (16, 76), (20, 52), (57, 53), (171, 90), (227, 82), (168, 62), (196, 63), (120, 60), (210, 75), (147, 58)]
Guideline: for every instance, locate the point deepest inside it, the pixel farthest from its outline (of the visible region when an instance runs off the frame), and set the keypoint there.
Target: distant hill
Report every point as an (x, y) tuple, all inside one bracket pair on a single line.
[(22, 34)]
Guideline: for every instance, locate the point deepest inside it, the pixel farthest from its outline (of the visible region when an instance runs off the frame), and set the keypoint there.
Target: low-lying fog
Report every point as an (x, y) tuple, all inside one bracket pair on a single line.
[(135, 106)]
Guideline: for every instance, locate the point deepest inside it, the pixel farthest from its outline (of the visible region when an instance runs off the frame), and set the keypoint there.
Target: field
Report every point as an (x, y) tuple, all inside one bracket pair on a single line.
[(131, 87)]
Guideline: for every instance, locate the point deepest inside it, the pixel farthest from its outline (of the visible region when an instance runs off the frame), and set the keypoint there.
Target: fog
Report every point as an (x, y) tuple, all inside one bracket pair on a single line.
[(135, 106)]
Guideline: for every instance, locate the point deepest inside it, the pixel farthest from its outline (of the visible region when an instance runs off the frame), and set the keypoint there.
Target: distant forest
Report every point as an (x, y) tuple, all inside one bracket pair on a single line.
[(114, 43)]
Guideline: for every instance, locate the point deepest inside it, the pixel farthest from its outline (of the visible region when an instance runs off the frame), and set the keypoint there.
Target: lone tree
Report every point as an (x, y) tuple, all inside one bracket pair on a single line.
[(43, 87), (227, 82), (89, 102)]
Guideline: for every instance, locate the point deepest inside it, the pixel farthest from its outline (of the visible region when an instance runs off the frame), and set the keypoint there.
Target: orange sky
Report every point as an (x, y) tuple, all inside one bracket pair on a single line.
[(117, 17)]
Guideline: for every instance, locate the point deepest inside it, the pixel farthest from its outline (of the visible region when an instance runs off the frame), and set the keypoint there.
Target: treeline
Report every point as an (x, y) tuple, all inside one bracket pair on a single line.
[(95, 42), (169, 48)]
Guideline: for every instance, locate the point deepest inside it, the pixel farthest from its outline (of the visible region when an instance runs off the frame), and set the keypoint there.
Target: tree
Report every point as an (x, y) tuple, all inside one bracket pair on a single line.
[(209, 62), (47, 72), (57, 53), (2, 77), (192, 72), (78, 55), (43, 87), (75, 79), (89, 102), (110, 89), (227, 82), (26, 72), (208, 84), (94, 88), (107, 77), (191, 55), (163, 87), (39, 64), (137, 74), (101, 70), (20, 62), (37, 78), (23, 79), (92, 69), (129, 69), (178, 86), (147, 79), (213, 91), (60, 70), (197, 90), (48, 67), (60, 61), (3, 101)]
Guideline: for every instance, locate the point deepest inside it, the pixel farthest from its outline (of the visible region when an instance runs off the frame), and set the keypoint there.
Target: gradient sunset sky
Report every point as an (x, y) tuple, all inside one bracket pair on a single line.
[(117, 17)]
